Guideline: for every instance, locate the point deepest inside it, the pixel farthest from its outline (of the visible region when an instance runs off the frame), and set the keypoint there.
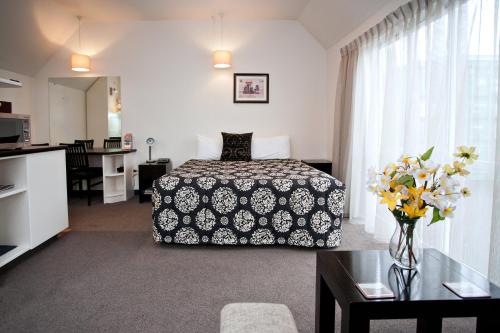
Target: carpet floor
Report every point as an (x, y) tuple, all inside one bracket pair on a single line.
[(107, 275)]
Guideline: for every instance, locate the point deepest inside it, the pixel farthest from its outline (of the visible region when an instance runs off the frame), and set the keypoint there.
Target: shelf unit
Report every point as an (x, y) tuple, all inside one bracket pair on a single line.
[(36, 208), (14, 205), (117, 186)]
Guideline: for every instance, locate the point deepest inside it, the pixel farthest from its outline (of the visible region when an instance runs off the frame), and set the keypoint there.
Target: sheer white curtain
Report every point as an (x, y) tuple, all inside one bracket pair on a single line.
[(428, 76)]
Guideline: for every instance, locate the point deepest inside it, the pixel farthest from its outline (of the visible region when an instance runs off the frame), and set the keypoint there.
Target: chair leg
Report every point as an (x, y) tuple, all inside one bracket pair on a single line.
[(80, 188), (88, 191)]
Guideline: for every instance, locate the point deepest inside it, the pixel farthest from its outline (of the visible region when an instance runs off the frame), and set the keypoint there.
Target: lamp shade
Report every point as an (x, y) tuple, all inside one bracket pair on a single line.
[(80, 62), (222, 59)]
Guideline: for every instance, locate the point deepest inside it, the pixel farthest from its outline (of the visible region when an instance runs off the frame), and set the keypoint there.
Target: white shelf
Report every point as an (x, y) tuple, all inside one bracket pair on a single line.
[(13, 254), (6, 83), (12, 191), (114, 174), (112, 194)]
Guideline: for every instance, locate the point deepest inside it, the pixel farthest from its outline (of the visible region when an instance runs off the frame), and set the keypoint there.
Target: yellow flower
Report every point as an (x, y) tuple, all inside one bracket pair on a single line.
[(390, 168), (465, 192), (449, 169), (413, 211), (460, 168), (390, 198), (405, 159), (416, 194), (467, 153)]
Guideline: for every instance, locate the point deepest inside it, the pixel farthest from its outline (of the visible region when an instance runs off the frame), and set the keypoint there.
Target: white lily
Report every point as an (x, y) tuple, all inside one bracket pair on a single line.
[(447, 211)]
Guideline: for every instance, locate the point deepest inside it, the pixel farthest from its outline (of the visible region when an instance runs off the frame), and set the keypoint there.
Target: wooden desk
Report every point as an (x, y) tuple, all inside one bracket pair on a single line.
[(117, 183), (422, 296)]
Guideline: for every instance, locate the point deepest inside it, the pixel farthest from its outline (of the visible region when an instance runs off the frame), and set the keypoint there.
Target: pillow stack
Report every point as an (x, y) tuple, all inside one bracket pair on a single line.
[(243, 147)]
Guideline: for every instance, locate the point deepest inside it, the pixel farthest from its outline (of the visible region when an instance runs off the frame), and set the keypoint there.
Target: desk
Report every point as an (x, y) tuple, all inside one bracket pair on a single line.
[(421, 296), (117, 183)]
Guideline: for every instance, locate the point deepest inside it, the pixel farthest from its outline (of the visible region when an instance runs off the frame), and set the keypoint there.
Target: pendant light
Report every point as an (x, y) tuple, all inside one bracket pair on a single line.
[(80, 62), (221, 58)]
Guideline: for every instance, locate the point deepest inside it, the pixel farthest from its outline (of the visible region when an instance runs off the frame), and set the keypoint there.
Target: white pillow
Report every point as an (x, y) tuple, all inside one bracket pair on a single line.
[(276, 147), (208, 148)]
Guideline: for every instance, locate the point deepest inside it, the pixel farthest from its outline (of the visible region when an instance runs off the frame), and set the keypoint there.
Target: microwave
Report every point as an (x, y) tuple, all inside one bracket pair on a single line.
[(15, 131)]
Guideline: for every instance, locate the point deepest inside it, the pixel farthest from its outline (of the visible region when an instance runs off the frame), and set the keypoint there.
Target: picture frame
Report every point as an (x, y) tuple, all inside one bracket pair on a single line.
[(251, 88)]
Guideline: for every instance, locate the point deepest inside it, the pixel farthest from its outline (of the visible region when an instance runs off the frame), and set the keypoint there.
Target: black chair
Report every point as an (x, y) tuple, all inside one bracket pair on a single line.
[(89, 144), (78, 169), (112, 143)]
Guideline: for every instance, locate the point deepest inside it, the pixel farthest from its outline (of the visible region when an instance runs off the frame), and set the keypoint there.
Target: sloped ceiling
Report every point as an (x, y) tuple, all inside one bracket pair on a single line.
[(31, 31), (331, 20), (124, 10), (79, 83)]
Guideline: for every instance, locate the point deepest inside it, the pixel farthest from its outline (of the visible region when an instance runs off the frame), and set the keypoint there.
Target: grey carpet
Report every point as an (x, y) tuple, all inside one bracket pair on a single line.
[(107, 275)]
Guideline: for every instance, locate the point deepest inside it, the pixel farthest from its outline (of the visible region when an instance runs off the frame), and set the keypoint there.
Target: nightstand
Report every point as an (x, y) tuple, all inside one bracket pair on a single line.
[(148, 172), (321, 165)]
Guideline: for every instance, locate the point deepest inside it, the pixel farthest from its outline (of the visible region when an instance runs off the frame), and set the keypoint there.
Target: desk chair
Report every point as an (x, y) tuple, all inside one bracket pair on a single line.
[(89, 144), (77, 164), (112, 143)]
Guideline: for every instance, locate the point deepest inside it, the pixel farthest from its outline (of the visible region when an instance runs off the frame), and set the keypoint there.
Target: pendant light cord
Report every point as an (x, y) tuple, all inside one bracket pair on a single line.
[(79, 33), (221, 15)]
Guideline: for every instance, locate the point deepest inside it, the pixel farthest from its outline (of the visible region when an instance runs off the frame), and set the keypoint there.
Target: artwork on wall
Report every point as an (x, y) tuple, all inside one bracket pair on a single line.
[(251, 88)]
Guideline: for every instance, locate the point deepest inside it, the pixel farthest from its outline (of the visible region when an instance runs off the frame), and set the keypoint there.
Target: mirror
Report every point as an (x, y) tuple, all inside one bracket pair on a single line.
[(85, 108)]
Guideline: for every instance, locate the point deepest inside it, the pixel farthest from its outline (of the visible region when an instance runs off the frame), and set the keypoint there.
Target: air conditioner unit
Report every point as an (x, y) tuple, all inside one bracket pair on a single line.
[(9, 83)]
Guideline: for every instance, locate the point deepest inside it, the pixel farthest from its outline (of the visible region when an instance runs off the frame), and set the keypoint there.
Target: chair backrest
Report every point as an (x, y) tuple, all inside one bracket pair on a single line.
[(76, 156), (112, 143), (89, 144)]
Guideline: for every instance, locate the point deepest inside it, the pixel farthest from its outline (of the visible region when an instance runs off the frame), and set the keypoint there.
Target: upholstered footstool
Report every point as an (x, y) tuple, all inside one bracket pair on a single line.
[(257, 318)]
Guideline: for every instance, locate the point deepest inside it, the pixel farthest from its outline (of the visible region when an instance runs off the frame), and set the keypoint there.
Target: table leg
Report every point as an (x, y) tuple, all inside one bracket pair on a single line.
[(353, 323), (325, 307), (487, 324), (429, 324)]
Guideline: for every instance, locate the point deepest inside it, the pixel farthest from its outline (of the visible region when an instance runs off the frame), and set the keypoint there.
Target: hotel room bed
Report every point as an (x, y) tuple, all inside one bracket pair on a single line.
[(261, 202)]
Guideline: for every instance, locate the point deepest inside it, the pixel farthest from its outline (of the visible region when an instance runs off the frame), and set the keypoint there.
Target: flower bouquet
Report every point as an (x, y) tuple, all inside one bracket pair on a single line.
[(410, 188)]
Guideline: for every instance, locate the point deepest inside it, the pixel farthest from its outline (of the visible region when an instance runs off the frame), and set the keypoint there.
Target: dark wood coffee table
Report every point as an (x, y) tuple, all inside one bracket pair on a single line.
[(419, 295)]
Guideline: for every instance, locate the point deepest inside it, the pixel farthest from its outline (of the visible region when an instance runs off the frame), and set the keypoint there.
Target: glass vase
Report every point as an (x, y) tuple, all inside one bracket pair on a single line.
[(405, 247)]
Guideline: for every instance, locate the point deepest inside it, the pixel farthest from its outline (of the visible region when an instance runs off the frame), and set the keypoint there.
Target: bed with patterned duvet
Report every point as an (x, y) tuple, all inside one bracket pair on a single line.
[(261, 202)]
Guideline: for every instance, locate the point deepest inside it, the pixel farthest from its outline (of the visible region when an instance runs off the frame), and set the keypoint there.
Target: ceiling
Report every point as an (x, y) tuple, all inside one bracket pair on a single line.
[(79, 83), (331, 20), (31, 31), (125, 10)]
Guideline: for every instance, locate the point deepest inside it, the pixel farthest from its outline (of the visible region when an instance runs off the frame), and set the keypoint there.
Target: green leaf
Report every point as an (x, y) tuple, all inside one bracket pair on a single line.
[(427, 154), (405, 180), (435, 216)]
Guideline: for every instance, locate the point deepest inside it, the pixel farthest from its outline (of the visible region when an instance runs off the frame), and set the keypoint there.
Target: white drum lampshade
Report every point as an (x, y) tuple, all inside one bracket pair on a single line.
[(222, 59), (80, 62)]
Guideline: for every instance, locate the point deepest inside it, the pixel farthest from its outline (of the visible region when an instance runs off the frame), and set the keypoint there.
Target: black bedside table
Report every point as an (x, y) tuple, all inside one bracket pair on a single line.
[(321, 165), (148, 172)]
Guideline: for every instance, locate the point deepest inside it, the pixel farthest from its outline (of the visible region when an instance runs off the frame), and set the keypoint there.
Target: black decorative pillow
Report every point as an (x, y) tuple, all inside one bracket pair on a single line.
[(236, 147)]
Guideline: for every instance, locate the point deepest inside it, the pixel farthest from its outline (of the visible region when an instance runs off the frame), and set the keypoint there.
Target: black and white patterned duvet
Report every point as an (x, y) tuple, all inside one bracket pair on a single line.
[(261, 202)]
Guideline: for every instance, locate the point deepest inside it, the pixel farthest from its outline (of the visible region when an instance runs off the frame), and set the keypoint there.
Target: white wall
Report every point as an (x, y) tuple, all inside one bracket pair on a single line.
[(170, 90), (67, 114), (97, 111), (21, 98)]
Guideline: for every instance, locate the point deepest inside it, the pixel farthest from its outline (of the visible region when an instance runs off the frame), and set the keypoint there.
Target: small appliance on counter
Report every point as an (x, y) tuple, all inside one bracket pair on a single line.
[(15, 131)]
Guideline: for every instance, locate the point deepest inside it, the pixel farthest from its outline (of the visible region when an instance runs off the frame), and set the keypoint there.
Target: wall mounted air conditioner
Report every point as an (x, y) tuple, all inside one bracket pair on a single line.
[(9, 83)]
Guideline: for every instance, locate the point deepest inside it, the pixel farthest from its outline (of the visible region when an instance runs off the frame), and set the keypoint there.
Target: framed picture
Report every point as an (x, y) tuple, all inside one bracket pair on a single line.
[(251, 88)]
